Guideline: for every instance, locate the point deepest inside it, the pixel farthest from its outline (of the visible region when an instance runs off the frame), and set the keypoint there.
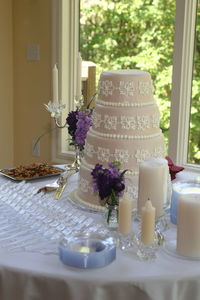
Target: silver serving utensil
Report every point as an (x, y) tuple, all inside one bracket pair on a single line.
[(49, 187), (62, 182)]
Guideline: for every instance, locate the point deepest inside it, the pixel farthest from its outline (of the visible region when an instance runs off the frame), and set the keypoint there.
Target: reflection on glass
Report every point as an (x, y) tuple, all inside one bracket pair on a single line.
[(194, 130)]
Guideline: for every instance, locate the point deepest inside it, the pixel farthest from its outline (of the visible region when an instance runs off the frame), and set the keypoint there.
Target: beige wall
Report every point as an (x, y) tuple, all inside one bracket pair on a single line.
[(6, 84), (24, 85), (32, 79)]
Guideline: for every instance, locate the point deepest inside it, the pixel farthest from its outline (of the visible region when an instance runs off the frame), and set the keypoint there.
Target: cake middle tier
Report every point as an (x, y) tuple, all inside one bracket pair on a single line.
[(128, 150), (127, 121)]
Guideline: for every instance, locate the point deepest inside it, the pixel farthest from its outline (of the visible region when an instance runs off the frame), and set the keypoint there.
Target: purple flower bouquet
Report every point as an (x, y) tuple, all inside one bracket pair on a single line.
[(109, 183)]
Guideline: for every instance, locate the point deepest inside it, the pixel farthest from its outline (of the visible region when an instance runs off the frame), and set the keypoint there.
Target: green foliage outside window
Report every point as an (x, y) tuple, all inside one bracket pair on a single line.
[(132, 34), (194, 137)]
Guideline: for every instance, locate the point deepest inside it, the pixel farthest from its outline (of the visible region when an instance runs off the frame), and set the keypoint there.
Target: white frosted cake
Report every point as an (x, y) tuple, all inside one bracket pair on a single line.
[(125, 128)]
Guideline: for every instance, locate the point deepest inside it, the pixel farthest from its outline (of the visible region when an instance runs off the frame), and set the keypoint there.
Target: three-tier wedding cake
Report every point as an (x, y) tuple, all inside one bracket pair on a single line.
[(125, 128)]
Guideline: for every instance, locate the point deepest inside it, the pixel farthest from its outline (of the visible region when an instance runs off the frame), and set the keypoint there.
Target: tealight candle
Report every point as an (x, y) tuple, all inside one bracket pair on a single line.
[(153, 179), (125, 215), (88, 250), (84, 249), (148, 223), (188, 225)]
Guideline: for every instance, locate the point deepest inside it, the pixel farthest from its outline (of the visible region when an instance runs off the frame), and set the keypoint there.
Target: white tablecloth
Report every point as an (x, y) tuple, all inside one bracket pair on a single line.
[(32, 275)]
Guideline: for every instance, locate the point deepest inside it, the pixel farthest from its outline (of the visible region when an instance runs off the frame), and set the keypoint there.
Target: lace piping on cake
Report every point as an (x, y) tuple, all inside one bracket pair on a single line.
[(85, 185), (105, 87), (125, 88), (145, 87), (110, 122), (142, 154), (123, 155), (124, 104), (123, 122), (133, 191), (125, 136)]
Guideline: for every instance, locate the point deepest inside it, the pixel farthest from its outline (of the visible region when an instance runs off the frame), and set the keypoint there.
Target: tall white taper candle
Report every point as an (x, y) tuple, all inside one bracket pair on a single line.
[(125, 214), (55, 83), (148, 223), (79, 76)]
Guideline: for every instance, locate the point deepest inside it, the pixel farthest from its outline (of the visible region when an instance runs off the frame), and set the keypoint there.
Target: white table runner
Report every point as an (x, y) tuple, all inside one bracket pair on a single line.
[(32, 221)]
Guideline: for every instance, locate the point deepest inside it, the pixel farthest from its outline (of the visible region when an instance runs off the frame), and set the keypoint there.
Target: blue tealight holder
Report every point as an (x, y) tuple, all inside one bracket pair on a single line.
[(87, 250), (179, 188)]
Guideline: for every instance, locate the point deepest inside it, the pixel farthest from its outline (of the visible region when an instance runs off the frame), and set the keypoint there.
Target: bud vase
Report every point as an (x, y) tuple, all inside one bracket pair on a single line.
[(111, 216)]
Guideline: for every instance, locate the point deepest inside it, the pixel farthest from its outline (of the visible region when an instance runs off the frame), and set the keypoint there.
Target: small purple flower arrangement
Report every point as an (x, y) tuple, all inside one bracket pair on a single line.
[(79, 122), (109, 183)]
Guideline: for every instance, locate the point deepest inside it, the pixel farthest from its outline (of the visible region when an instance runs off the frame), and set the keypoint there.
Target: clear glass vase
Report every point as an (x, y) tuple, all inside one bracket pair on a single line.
[(111, 216)]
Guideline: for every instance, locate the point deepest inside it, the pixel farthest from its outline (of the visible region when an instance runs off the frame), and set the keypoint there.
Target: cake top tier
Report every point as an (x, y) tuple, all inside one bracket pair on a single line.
[(125, 72), (125, 88)]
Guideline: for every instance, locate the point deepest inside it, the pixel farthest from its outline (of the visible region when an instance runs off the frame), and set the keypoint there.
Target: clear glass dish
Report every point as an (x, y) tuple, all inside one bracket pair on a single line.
[(88, 250)]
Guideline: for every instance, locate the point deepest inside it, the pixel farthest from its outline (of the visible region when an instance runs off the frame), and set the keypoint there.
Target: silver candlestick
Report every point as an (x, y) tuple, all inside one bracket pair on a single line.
[(55, 108)]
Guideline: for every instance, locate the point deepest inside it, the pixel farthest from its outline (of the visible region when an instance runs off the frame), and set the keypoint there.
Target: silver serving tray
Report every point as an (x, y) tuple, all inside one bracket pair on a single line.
[(60, 171)]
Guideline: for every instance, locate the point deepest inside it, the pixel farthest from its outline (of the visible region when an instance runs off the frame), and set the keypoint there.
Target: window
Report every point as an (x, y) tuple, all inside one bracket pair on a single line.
[(183, 73), (194, 131), (182, 82), (132, 35)]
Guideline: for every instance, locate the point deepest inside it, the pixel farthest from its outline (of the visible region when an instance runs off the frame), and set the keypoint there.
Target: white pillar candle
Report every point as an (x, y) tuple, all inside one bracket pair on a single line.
[(153, 180), (55, 83), (79, 77), (188, 225), (148, 223), (125, 215)]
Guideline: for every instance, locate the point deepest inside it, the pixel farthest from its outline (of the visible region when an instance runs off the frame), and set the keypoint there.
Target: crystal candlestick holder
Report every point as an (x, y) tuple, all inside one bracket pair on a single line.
[(146, 251), (162, 223), (125, 241)]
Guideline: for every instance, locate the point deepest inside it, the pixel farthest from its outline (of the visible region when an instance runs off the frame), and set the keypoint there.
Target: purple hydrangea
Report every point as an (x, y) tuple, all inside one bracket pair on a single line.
[(109, 183), (79, 123), (71, 122), (84, 121)]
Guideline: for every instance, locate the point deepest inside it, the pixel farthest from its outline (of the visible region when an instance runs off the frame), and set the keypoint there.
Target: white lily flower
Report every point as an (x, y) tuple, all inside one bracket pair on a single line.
[(55, 108)]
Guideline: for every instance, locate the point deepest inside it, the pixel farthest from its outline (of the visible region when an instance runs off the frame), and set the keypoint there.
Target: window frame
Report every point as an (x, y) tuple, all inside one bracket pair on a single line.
[(65, 48), (182, 82)]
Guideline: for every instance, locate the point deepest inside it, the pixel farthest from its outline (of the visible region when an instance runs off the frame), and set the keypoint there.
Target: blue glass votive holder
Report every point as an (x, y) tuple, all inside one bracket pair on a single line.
[(87, 250), (179, 188)]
